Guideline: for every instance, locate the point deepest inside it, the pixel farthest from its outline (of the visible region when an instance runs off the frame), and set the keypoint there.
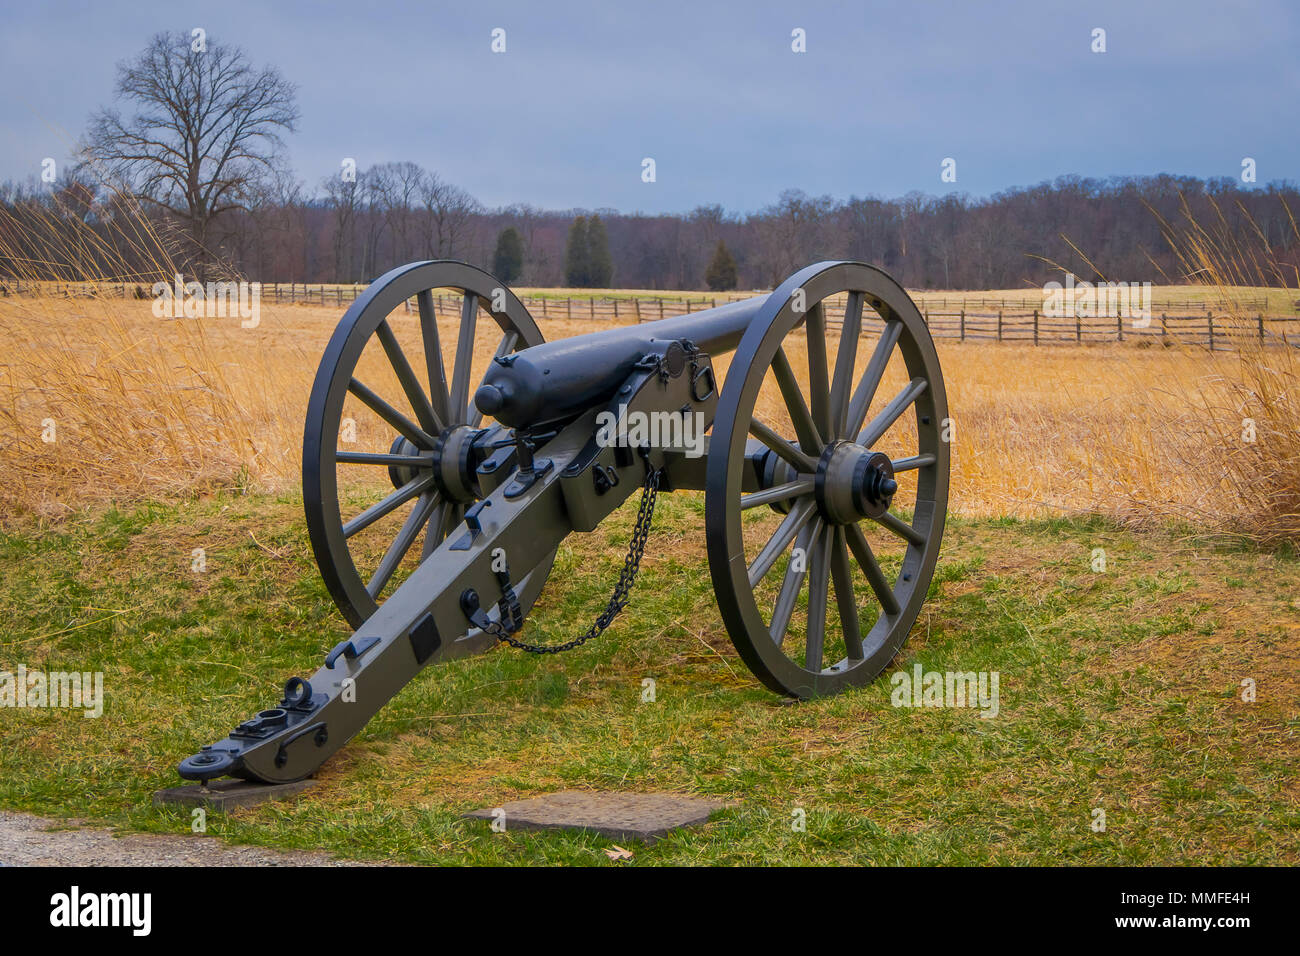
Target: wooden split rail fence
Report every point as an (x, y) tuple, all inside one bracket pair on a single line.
[(1185, 323), (1031, 327)]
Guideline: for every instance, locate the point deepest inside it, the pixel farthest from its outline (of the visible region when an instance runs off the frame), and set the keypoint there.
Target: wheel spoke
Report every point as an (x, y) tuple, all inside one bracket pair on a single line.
[(916, 461), (871, 378), (809, 437), (391, 415), (402, 543), (818, 385), (433, 530), (369, 458), (792, 583), (785, 449), (785, 532), (901, 528), (845, 597), (844, 359), (889, 414), (791, 489), (464, 358), (817, 580), (424, 412), (417, 485), (452, 518), (507, 346), (433, 354), (857, 542)]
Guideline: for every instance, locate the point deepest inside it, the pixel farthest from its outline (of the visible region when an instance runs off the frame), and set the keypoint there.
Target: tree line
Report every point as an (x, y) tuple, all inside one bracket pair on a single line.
[(148, 187)]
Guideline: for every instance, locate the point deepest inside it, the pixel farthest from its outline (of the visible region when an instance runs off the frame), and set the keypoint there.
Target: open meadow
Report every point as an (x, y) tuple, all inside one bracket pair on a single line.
[(127, 441)]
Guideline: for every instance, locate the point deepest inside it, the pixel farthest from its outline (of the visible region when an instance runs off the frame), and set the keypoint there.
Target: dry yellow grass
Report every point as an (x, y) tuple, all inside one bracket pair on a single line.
[(146, 407)]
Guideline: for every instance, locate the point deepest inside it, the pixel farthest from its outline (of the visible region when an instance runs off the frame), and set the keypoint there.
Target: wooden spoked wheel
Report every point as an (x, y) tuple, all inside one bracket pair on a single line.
[(387, 454), (821, 573)]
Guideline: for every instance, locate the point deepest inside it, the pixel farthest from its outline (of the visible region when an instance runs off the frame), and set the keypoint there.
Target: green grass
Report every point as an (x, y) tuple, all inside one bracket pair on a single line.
[(1118, 690)]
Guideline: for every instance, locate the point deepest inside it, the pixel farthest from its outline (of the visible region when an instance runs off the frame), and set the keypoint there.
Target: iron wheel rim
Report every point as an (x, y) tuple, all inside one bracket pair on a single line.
[(358, 327), (728, 564)]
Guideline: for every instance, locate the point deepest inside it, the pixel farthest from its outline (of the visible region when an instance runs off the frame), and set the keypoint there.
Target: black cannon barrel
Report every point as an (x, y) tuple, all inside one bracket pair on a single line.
[(551, 380)]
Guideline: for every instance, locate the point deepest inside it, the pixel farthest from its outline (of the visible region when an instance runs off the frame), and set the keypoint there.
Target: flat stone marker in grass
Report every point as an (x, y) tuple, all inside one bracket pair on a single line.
[(228, 794), (621, 816)]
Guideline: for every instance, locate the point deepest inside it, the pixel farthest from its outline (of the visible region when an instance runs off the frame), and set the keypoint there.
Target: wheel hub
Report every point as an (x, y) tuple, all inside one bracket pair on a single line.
[(452, 459), (853, 483)]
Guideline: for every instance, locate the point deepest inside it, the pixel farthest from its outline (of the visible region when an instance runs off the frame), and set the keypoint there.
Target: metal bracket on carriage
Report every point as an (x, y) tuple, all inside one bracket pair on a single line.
[(530, 468)]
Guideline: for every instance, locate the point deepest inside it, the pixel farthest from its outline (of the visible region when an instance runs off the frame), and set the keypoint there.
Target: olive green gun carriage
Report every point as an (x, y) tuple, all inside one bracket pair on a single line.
[(787, 501)]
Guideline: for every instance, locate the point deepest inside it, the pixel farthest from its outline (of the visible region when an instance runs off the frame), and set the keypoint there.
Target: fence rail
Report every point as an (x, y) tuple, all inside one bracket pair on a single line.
[(620, 307), (1185, 323), (1030, 327)]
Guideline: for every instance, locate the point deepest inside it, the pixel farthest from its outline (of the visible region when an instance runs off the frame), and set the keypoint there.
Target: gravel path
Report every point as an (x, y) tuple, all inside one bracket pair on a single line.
[(27, 840)]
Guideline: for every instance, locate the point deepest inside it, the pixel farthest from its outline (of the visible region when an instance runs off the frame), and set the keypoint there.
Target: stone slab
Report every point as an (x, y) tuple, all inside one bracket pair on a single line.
[(228, 794), (621, 816)]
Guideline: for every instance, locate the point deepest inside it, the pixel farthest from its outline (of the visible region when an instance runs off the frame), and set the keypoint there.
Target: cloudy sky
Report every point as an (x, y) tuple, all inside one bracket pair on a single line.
[(713, 92)]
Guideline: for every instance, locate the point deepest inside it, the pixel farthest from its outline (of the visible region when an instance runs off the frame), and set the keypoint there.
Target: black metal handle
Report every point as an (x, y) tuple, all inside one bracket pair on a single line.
[(322, 736)]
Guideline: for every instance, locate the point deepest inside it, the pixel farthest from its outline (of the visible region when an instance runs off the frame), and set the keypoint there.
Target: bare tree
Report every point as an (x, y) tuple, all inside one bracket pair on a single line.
[(397, 190), (369, 194), (277, 214), (537, 258), (343, 196), (204, 130), (450, 214)]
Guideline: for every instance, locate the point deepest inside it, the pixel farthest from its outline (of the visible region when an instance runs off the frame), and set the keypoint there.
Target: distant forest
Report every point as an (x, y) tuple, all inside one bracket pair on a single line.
[(353, 230)]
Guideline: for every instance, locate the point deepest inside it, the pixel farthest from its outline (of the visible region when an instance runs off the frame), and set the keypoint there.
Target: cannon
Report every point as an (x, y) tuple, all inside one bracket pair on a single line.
[(831, 423)]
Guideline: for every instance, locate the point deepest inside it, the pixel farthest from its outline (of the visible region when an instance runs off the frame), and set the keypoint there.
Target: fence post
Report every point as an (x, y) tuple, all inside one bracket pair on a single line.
[(616, 307), (1078, 328), (961, 327), (1209, 319), (1260, 319), (1164, 329), (999, 325), (661, 307), (592, 304), (1035, 326), (569, 310), (636, 307)]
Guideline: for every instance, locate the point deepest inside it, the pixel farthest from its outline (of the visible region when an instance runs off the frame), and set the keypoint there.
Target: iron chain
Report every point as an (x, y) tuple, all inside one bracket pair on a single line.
[(509, 606)]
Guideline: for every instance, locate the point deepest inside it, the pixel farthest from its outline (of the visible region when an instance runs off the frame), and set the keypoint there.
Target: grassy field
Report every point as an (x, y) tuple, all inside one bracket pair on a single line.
[(1119, 691)]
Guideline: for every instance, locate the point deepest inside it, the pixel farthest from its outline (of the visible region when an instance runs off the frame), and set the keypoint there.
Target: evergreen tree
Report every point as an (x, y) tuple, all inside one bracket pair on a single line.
[(600, 268), (721, 273), (577, 265), (508, 261)]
